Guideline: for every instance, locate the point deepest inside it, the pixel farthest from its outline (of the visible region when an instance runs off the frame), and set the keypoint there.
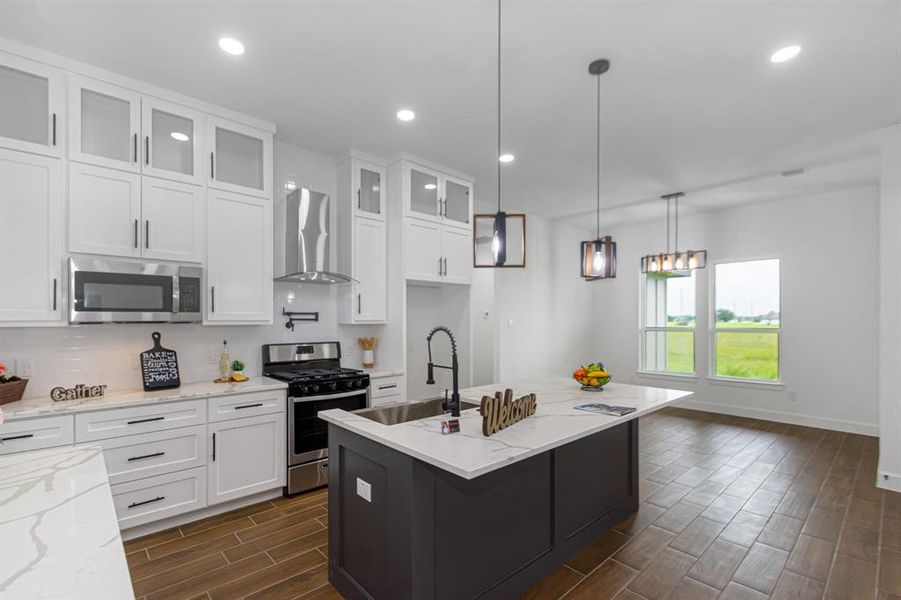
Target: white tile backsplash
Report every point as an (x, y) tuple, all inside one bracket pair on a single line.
[(108, 353)]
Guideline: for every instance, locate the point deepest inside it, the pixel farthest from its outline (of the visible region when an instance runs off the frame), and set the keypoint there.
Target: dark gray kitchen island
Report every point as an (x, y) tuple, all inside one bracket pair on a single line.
[(414, 514)]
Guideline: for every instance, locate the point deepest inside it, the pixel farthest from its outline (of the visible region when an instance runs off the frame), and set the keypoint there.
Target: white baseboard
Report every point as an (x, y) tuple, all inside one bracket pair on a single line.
[(783, 417), (209, 511), (888, 481)]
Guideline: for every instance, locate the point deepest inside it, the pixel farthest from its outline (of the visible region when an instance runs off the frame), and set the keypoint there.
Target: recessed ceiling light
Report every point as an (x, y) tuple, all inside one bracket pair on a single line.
[(784, 54), (231, 45), (177, 135), (430, 186), (505, 158), (405, 114)]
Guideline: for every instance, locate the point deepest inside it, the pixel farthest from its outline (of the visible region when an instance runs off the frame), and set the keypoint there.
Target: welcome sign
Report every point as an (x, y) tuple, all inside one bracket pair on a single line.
[(499, 412)]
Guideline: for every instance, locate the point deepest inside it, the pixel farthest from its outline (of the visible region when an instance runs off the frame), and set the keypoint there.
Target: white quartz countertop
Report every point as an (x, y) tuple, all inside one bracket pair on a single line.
[(58, 532), (42, 405), (556, 422)]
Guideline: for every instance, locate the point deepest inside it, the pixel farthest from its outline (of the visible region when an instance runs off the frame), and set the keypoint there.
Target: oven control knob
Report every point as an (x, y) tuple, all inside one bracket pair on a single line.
[(364, 383), (304, 390), (333, 386), (315, 389)]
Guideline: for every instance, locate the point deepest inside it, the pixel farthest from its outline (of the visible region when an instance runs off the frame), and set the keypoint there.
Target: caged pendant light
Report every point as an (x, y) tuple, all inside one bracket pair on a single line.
[(678, 262), (598, 255)]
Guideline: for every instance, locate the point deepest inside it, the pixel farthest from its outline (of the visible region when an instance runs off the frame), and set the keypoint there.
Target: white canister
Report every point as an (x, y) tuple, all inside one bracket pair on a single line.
[(368, 359)]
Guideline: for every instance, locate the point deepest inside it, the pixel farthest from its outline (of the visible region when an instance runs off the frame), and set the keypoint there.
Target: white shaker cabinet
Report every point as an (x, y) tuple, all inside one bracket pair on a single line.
[(239, 258), (172, 144), (104, 210), (423, 260), (31, 106), (31, 211), (104, 124), (370, 270), (456, 246), (246, 456), (240, 158), (172, 216)]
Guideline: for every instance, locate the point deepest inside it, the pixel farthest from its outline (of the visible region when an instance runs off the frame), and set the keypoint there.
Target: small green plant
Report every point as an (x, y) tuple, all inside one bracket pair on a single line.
[(237, 366)]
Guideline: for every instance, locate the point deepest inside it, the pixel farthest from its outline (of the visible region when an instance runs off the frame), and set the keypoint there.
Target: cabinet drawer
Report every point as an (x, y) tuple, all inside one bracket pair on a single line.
[(386, 386), (150, 454), (239, 406), (34, 434), (383, 400), (154, 498), (117, 422)]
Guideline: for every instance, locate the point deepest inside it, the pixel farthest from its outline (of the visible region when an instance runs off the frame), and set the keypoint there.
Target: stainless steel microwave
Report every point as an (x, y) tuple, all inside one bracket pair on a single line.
[(111, 291)]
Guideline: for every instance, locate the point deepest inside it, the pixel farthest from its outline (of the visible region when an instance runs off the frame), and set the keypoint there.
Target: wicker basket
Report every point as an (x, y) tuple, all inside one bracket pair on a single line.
[(12, 391)]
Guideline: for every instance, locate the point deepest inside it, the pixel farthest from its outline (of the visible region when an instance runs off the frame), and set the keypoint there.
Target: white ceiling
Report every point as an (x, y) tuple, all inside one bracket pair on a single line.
[(691, 100)]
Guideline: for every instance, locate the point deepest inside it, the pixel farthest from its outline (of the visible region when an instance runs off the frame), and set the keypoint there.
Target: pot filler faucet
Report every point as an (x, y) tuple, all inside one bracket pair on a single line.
[(453, 404)]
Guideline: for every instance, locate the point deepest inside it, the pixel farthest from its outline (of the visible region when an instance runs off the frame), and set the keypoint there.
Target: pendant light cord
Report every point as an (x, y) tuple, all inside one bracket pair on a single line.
[(676, 228), (497, 158), (598, 183)]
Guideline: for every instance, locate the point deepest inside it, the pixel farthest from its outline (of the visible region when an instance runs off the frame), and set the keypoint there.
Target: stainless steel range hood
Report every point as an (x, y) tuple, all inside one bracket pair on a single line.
[(305, 217)]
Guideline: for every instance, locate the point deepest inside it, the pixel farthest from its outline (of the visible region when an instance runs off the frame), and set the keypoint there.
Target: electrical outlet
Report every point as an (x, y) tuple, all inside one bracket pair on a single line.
[(24, 367), (364, 490), (213, 354)]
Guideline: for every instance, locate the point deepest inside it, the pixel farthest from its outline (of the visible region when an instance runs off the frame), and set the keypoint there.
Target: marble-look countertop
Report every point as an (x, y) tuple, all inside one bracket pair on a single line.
[(59, 537), (556, 422), (380, 373), (39, 406)]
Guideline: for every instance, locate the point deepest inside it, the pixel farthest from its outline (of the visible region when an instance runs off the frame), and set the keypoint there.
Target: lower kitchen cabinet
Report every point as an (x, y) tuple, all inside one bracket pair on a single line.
[(154, 498), (239, 258), (31, 207), (246, 456)]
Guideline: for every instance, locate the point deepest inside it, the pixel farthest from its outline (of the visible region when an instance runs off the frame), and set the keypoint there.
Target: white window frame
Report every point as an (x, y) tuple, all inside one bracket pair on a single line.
[(643, 329), (777, 383)]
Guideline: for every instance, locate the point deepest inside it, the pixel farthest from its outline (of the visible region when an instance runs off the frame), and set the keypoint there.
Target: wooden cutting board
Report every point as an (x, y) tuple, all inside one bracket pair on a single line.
[(159, 367)]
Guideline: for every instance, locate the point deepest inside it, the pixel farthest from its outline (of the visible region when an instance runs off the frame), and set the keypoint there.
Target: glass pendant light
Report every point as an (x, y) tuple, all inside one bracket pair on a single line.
[(599, 255), (675, 263)]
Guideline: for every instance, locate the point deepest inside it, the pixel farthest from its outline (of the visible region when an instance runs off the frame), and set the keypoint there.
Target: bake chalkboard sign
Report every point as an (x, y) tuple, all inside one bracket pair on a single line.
[(159, 367)]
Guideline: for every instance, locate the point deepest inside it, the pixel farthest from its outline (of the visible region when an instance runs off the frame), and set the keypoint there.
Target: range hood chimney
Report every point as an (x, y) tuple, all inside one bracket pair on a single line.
[(305, 215)]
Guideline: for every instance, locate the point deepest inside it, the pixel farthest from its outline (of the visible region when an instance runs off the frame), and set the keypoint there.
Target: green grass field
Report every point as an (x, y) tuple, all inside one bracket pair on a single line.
[(746, 355)]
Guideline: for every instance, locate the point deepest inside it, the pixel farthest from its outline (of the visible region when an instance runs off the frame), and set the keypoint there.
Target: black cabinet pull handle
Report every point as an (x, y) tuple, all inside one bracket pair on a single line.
[(359, 303), (212, 167), (214, 446), (249, 406), (387, 387), (146, 149), (54, 293), (146, 420), (136, 147), (157, 499), (136, 233), (212, 298), (53, 129), (154, 455), (147, 233), (358, 199), (17, 437)]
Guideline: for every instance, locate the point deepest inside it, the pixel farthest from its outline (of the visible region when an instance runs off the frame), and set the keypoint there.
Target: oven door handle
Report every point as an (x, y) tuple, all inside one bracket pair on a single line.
[(327, 396)]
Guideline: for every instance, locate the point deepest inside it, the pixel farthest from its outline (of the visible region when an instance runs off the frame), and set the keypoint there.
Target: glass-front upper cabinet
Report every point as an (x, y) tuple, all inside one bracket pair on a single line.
[(425, 196), (104, 124), (31, 103), (369, 181), (457, 202), (172, 148), (240, 158)]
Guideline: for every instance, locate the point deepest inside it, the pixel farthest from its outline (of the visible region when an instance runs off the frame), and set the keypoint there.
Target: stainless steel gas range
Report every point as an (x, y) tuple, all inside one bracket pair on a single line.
[(316, 381)]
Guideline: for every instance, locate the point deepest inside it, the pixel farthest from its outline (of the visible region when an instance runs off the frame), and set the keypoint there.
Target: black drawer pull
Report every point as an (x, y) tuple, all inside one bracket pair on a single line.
[(146, 420), (157, 499), (154, 455), (387, 387), (249, 406), (17, 437)]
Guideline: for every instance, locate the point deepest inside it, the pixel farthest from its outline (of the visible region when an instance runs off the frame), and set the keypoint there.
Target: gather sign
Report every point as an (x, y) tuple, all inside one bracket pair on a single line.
[(501, 411)]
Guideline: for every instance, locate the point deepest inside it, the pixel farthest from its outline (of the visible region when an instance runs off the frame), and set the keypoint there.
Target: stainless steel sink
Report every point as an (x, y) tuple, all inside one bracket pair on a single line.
[(402, 413)]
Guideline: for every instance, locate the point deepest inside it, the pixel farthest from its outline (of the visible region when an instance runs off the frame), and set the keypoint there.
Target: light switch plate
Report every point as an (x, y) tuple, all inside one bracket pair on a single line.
[(364, 490)]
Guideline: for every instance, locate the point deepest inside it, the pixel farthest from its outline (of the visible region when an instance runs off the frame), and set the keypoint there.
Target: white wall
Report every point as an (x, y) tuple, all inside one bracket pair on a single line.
[(108, 353), (828, 244), (545, 312), (890, 312)]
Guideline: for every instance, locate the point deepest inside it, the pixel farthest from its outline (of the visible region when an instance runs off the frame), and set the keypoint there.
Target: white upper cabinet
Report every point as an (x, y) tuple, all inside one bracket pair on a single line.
[(172, 214), (424, 194), (240, 158), (239, 258), (31, 106), (104, 124), (369, 182), (370, 271), (423, 259), (31, 209), (457, 202), (456, 245), (172, 141), (104, 211)]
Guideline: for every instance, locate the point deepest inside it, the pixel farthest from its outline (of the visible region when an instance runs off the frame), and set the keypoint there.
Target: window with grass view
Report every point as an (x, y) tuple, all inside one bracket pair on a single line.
[(747, 320), (668, 323)]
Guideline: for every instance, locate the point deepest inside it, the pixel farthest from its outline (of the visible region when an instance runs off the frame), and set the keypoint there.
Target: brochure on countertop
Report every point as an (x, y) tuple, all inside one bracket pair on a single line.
[(605, 409)]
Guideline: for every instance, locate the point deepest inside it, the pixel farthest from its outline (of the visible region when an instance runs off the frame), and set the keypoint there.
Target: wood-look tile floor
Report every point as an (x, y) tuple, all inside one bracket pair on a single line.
[(731, 508)]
